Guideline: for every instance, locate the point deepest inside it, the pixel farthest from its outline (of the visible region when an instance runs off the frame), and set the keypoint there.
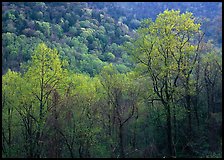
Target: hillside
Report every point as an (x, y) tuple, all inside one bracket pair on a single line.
[(87, 38), (111, 80), (131, 13), (89, 35)]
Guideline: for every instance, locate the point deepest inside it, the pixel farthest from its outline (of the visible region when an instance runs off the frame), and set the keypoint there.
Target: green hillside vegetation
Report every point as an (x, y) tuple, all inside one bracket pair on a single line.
[(77, 82), (87, 38)]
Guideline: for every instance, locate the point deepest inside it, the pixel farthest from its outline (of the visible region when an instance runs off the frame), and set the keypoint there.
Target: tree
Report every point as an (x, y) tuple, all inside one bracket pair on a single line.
[(160, 97), (10, 84), (166, 51), (44, 75), (79, 116), (212, 72), (122, 96), (109, 56)]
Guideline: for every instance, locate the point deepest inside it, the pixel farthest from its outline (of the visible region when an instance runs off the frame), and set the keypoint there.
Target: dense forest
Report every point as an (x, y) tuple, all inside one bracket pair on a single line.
[(111, 80)]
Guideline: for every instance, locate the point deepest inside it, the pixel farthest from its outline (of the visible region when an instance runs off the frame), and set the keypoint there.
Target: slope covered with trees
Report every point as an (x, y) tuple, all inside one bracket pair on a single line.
[(88, 38), (149, 92), (131, 13)]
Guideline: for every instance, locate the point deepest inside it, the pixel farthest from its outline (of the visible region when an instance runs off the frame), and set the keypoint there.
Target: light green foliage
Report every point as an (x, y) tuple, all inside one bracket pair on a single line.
[(10, 89), (12, 98), (65, 100), (165, 47), (45, 65), (120, 91), (91, 64), (80, 105), (167, 52), (27, 95), (212, 60), (122, 68), (79, 47), (44, 75)]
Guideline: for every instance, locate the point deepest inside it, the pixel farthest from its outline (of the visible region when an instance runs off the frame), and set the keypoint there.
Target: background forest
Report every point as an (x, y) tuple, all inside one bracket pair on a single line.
[(115, 80)]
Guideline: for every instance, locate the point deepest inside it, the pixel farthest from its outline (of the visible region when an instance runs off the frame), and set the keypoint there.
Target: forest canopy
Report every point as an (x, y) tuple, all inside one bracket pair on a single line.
[(93, 80)]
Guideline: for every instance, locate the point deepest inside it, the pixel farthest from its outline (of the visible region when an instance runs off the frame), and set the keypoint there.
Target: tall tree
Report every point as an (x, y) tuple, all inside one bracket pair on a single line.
[(10, 85), (44, 75), (122, 97), (166, 51)]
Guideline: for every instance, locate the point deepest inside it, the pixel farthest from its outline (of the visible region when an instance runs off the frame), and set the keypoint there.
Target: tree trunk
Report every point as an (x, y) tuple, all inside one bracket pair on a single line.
[(110, 133), (197, 93), (188, 98), (175, 128), (30, 138), (196, 109), (212, 98), (9, 132), (208, 100), (121, 145), (80, 152), (134, 135), (169, 130), (38, 152)]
